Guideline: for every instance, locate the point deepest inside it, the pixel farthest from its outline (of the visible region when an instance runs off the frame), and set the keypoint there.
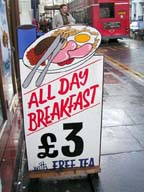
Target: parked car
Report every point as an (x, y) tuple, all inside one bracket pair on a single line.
[(137, 29)]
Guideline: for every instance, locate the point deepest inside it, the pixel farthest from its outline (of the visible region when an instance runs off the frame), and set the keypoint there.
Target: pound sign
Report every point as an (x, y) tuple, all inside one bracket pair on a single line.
[(47, 147)]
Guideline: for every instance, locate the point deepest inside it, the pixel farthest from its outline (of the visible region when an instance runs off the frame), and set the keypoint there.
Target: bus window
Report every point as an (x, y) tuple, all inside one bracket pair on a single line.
[(107, 10)]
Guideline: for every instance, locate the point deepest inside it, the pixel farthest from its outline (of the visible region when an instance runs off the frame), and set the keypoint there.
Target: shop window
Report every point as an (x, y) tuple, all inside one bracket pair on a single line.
[(5, 54), (107, 10)]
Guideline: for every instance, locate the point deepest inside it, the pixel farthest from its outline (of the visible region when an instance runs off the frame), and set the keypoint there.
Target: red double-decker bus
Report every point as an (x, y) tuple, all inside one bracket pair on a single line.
[(110, 17)]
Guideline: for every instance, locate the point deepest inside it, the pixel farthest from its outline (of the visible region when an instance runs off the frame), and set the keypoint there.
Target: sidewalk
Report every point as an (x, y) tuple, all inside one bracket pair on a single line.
[(122, 150), (123, 134)]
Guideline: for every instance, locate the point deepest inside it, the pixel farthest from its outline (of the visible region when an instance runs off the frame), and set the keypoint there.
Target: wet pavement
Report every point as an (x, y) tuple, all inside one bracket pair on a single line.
[(126, 55), (123, 123), (122, 146)]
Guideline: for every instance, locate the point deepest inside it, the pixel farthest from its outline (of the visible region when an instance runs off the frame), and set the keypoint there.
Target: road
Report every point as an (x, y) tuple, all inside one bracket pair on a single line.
[(127, 56)]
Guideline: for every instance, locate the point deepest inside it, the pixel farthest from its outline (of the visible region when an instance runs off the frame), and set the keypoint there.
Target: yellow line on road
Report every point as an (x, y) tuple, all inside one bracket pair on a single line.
[(124, 67)]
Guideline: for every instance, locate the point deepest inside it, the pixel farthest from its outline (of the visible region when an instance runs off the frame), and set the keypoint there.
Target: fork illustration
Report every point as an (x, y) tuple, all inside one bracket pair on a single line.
[(49, 51)]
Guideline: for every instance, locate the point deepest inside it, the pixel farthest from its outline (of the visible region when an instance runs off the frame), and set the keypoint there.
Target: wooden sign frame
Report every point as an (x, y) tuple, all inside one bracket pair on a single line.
[(64, 173), (63, 109)]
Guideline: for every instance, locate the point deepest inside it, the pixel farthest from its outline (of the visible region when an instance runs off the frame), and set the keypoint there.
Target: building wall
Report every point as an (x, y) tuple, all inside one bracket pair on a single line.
[(137, 9), (26, 13), (46, 3)]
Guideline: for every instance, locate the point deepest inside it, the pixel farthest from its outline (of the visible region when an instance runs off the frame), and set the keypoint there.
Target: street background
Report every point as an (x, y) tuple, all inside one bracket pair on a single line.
[(122, 145)]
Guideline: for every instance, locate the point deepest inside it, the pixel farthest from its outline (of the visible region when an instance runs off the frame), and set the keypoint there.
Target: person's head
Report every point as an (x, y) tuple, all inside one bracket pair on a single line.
[(63, 9)]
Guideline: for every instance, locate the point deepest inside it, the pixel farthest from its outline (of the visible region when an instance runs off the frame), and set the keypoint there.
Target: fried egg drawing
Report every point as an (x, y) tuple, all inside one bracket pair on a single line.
[(82, 38)]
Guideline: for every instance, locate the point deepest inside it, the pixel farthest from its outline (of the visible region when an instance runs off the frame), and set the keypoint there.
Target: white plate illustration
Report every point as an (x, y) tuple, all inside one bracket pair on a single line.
[(79, 34)]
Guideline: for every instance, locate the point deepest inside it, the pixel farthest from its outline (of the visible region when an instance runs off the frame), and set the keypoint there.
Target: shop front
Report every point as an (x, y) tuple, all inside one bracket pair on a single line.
[(10, 111)]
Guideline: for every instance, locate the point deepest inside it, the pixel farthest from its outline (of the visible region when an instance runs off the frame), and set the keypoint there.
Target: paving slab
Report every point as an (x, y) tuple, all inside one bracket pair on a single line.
[(118, 140), (138, 132), (122, 173), (136, 114), (115, 117)]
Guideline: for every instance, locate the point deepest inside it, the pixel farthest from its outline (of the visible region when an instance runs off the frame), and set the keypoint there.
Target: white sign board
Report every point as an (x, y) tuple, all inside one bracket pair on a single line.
[(63, 103)]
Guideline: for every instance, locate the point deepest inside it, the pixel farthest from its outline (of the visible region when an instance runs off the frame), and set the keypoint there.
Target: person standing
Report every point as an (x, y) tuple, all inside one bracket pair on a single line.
[(43, 24), (63, 18)]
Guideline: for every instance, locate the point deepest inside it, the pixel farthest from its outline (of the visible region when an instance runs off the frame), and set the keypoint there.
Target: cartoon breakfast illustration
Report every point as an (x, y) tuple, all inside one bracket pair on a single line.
[(60, 50)]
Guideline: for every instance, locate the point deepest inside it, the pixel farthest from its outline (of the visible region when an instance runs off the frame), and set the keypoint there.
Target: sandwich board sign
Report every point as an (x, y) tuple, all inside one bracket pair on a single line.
[(62, 82)]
